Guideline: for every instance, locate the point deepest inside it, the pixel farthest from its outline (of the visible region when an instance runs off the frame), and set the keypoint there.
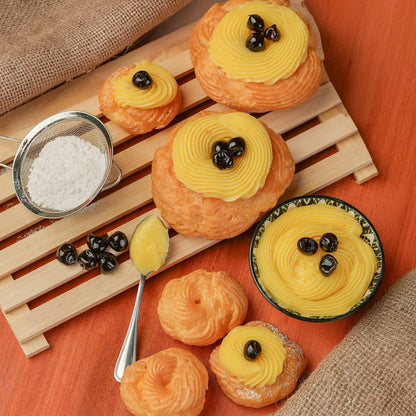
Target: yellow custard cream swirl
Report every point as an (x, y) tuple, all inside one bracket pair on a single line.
[(265, 368), (149, 244), (278, 60), (293, 278), (192, 161), (162, 91)]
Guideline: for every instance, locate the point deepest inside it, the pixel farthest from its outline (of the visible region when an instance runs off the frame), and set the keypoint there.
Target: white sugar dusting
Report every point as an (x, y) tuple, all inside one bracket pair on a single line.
[(30, 232), (67, 171)]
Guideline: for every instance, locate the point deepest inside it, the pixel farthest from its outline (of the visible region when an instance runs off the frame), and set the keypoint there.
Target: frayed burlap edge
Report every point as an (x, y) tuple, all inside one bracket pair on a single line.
[(373, 370), (44, 43)]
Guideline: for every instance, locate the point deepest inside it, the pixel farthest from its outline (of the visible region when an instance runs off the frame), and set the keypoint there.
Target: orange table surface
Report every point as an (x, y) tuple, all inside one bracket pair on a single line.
[(369, 56)]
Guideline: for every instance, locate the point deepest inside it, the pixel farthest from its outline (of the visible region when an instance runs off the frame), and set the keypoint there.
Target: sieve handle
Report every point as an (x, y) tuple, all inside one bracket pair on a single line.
[(117, 180), (11, 140), (6, 166)]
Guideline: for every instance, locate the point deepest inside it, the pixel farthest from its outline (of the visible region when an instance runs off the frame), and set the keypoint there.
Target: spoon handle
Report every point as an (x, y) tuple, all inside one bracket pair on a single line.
[(127, 354)]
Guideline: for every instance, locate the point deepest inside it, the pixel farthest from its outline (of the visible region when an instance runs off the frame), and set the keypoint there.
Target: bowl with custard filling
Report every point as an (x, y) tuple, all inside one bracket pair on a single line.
[(316, 258)]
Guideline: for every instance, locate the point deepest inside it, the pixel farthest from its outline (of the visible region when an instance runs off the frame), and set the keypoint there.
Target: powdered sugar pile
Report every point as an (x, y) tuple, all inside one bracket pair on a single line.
[(66, 173)]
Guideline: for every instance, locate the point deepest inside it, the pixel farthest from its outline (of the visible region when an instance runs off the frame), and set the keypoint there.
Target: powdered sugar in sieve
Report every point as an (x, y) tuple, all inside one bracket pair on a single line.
[(67, 171)]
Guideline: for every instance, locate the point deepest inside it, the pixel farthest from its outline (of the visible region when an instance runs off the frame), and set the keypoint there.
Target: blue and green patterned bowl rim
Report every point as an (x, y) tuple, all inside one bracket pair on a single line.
[(369, 235)]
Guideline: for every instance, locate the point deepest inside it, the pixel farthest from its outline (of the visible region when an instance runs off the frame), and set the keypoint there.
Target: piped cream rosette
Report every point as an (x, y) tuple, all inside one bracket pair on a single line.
[(192, 160), (265, 368), (293, 278), (170, 382), (279, 60), (161, 92)]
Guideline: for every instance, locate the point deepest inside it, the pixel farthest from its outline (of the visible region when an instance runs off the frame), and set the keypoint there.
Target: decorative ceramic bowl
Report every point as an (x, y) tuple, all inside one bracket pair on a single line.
[(369, 235)]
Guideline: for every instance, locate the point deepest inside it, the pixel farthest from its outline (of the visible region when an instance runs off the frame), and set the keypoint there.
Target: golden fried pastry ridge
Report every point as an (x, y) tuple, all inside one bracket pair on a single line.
[(239, 392), (201, 307), (194, 214), (134, 118), (171, 382), (248, 95)]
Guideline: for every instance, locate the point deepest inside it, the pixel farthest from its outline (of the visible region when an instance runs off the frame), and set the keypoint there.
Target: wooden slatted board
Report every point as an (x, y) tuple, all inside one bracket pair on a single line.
[(27, 241)]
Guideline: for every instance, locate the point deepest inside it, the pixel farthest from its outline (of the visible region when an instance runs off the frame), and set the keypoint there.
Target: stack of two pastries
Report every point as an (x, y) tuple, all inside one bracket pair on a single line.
[(252, 56)]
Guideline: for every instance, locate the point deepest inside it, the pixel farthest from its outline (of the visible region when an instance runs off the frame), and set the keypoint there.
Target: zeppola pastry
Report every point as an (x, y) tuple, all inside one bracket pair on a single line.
[(255, 56), (201, 307), (140, 97), (171, 382), (218, 173), (257, 365)]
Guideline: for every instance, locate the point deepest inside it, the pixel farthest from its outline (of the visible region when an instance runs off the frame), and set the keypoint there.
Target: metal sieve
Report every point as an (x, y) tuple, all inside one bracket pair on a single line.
[(74, 123)]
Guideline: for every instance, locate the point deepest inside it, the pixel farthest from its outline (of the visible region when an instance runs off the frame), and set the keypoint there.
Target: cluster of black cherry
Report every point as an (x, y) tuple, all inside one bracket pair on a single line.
[(95, 253), (329, 244), (256, 40), (223, 153)]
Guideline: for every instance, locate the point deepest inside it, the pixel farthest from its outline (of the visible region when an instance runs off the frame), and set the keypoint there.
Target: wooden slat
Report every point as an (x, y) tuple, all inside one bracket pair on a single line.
[(39, 281), (36, 344), (17, 218), (48, 239), (367, 172), (97, 290), (50, 275), (321, 137), (193, 95), (335, 128), (92, 293), (130, 161), (303, 145), (280, 121), (81, 93), (6, 187), (9, 225), (327, 171)]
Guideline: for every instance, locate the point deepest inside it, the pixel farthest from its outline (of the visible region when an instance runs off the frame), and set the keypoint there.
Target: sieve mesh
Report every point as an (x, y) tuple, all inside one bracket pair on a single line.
[(71, 123)]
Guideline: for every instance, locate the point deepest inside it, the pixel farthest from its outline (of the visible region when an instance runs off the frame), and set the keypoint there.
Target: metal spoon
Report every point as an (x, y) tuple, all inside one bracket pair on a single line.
[(128, 350)]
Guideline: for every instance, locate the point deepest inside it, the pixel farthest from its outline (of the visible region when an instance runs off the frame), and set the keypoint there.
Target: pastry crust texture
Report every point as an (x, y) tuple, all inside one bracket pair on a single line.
[(193, 214), (250, 96), (171, 382), (132, 119), (285, 383), (202, 307)]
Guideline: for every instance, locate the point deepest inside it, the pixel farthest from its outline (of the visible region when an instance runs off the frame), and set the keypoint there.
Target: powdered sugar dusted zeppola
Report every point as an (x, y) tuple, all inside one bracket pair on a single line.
[(218, 173), (201, 307), (140, 97), (256, 55), (171, 382), (257, 365)]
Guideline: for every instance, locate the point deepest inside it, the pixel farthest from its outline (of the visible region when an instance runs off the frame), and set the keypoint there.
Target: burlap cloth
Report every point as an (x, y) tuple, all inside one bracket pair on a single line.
[(46, 42), (373, 370)]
